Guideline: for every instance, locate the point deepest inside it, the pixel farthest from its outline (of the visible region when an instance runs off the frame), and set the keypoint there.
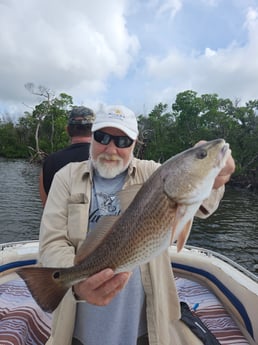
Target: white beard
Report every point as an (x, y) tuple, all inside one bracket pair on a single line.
[(110, 170)]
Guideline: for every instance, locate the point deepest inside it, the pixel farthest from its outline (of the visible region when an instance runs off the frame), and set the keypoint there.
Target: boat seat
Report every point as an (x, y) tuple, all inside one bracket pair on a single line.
[(210, 310), (22, 321)]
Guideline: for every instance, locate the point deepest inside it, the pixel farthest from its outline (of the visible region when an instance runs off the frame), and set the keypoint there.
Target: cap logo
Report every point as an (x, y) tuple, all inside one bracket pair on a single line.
[(116, 114)]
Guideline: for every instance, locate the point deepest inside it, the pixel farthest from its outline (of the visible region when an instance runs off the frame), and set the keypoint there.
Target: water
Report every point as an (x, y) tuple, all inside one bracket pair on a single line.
[(231, 230), (20, 205)]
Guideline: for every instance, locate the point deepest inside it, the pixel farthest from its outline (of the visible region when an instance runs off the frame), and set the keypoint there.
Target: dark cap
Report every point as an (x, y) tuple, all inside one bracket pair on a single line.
[(81, 116)]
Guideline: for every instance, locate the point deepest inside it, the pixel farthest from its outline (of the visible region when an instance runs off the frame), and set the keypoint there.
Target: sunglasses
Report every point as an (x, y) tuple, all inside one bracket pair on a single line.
[(121, 141)]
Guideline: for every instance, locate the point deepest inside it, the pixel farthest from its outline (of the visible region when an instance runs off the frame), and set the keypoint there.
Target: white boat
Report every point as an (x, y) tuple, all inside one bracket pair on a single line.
[(222, 295)]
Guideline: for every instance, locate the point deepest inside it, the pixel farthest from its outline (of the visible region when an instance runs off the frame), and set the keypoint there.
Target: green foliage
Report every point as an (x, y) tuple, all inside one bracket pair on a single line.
[(206, 117), (11, 141), (53, 128), (42, 131), (163, 133), (156, 132)]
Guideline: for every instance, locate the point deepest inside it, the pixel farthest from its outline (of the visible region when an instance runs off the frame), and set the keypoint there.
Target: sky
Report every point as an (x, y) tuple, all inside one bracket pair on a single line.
[(132, 52)]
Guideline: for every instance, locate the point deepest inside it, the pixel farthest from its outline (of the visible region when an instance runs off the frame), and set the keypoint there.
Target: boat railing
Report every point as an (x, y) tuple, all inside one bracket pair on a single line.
[(224, 258)]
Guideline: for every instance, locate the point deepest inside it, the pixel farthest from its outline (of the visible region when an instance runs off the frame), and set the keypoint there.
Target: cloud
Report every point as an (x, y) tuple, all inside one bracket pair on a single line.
[(231, 72), (171, 6), (134, 52), (62, 46)]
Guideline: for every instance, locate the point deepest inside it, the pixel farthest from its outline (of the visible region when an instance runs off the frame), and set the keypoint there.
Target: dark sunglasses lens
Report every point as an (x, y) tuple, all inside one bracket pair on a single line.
[(102, 138), (105, 138), (123, 142)]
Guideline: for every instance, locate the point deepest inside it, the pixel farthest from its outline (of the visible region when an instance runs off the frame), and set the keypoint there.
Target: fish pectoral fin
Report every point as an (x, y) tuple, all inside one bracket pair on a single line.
[(47, 290), (179, 215), (184, 234), (95, 237), (127, 195), (183, 223)]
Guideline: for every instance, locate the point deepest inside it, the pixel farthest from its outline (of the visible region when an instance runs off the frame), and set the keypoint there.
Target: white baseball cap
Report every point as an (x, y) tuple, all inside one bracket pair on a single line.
[(117, 116)]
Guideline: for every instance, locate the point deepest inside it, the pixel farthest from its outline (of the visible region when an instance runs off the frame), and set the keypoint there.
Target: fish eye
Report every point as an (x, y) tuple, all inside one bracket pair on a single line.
[(201, 154), (56, 275)]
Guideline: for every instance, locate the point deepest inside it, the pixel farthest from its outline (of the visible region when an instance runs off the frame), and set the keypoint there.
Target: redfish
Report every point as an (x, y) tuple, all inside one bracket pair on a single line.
[(160, 213)]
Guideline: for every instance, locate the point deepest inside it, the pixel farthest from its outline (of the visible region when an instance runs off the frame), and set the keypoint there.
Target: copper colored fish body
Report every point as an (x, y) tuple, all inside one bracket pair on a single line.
[(161, 212)]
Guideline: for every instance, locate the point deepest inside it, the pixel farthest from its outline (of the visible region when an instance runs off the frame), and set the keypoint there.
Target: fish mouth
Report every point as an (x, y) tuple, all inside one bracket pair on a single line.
[(224, 154), (224, 149)]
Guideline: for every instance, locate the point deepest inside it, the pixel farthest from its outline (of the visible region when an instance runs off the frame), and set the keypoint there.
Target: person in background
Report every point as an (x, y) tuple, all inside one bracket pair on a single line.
[(140, 307), (79, 130)]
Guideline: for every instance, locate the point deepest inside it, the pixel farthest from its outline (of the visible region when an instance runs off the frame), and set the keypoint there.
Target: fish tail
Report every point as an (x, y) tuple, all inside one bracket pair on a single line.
[(45, 286)]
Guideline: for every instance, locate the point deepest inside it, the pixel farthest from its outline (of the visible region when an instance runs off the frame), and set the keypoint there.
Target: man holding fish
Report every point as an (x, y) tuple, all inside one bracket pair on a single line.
[(117, 287)]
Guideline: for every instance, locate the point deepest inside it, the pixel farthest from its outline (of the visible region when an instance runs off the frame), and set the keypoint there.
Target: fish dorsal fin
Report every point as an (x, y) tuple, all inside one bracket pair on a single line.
[(95, 237), (127, 195)]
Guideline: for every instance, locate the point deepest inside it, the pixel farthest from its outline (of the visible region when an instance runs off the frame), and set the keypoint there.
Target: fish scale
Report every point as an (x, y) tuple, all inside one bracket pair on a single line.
[(144, 241), (162, 210), (137, 235)]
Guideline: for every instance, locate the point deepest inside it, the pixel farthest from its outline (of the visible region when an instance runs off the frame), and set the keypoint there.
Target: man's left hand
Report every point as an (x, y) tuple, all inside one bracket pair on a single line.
[(225, 174)]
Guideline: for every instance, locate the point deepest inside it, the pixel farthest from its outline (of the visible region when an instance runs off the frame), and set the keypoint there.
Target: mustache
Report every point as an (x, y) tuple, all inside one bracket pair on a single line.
[(109, 157)]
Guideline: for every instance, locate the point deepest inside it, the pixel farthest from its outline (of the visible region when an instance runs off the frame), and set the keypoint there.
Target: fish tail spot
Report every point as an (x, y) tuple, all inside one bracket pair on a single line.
[(56, 275), (44, 286)]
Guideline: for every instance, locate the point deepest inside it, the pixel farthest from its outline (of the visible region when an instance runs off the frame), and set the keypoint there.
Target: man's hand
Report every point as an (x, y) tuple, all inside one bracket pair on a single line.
[(225, 174), (102, 287)]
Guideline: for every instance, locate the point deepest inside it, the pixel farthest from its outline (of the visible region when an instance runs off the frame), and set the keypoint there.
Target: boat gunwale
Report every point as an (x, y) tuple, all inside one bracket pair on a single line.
[(199, 250), (227, 260)]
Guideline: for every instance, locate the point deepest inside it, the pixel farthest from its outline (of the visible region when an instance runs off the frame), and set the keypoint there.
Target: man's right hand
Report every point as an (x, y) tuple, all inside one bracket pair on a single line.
[(102, 287)]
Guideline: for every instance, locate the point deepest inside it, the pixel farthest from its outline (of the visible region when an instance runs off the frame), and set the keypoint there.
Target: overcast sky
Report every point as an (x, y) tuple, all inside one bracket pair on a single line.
[(132, 52)]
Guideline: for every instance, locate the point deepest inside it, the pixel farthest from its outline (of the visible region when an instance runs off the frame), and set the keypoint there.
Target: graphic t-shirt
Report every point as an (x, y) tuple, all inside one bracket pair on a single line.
[(123, 320)]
